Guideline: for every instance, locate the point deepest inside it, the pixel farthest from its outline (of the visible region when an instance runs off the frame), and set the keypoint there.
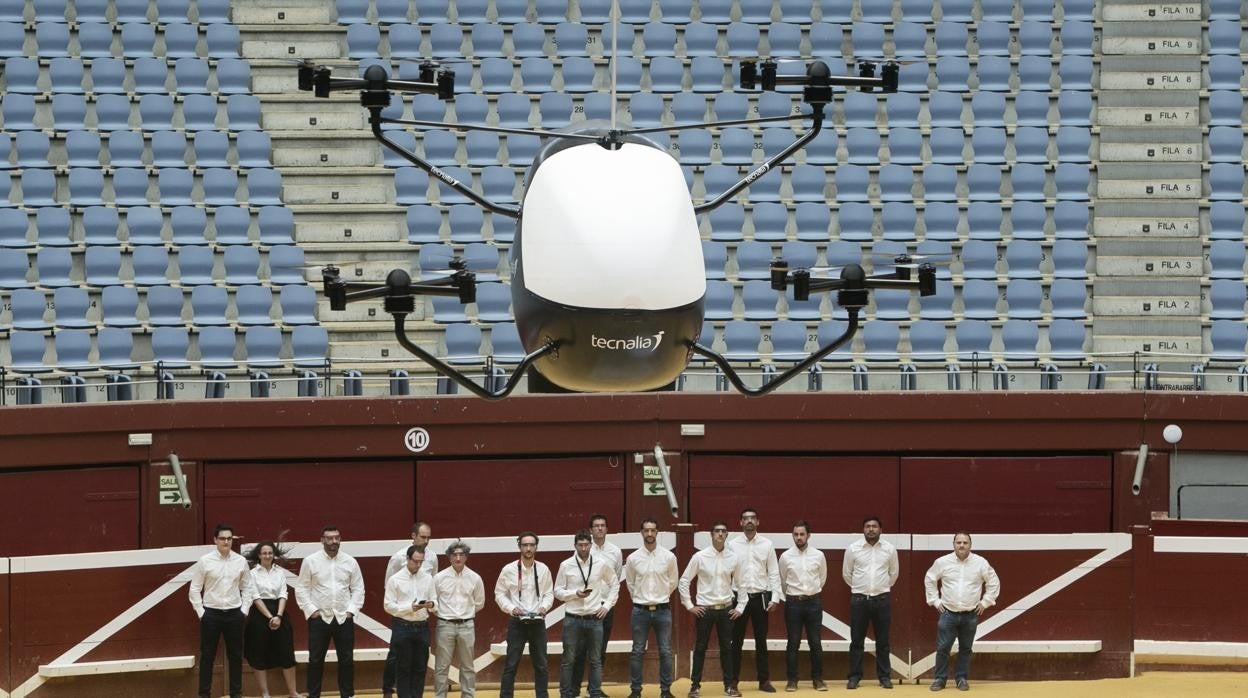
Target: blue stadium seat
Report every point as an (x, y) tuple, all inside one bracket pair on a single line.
[(1226, 181), (770, 221), (983, 219), (1226, 338), (578, 74), (188, 224), (168, 149), (1066, 338), (1031, 144), (1073, 181), (741, 340), (90, 11), (1035, 39), (927, 340), (100, 226), (891, 304), (95, 39), (493, 302), (827, 332), (1070, 259), (940, 221), (979, 259), (33, 148), (1027, 220), (103, 265), (13, 226), (233, 76), (898, 220), (213, 11), (112, 112), (946, 144), (130, 187), (217, 347), (1226, 299), (125, 149), (938, 306), (1226, 220), (1020, 338), (176, 186), (38, 188), (195, 266), (115, 348), (138, 39), (1226, 259), (254, 304), (880, 339), (727, 222), (82, 149), (788, 341), (182, 41), (950, 39), (753, 260), (69, 112), (1027, 182), (555, 110), (1023, 297), (28, 309), (812, 220), (940, 183), (150, 264), (264, 187), (759, 300), (171, 347), (55, 266), (14, 265), (164, 306), (707, 73), (22, 75), (852, 182), (242, 113), (242, 265), (1068, 297), (26, 350), (12, 37), (855, 221), (52, 39), (156, 112), (718, 300), (411, 186), (208, 306), (73, 350), (1225, 107), (52, 227)]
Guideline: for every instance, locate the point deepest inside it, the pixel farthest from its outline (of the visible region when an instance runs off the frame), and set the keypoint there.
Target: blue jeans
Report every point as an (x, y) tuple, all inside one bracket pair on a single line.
[(520, 633), (643, 620), (411, 653), (878, 611), (608, 621), (960, 625), (582, 637), (807, 615)]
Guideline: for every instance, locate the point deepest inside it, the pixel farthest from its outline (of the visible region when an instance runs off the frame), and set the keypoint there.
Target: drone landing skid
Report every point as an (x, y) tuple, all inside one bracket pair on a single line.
[(781, 378), (472, 386)]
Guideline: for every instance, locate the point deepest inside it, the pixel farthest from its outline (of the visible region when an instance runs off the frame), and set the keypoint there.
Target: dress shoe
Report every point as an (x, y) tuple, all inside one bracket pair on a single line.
[(666, 694), (963, 685), (937, 685), (851, 684), (820, 685), (695, 692), (790, 687), (886, 682), (634, 694), (766, 687), (732, 692)]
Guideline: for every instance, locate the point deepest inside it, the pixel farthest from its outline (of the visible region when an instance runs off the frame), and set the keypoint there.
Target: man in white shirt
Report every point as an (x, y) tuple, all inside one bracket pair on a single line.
[(611, 552), (421, 533), (870, 569), (461, 594), (330, 591), (221, 588), (715, 569), (410, 598), (525, 592), (758, 591), (651, 574), (803, 572), (968, 586), (588, 588)]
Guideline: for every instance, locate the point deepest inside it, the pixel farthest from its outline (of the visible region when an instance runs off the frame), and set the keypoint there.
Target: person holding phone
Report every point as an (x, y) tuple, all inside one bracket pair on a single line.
[(410, 598), (588, 587), (525, 592)]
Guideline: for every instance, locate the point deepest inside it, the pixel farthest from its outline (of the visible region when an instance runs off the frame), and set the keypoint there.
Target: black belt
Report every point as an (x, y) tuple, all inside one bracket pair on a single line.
[(403, 621), (582, 617), (454, 620), (870, 596), (651, 606), (796, 597), (949, 611)]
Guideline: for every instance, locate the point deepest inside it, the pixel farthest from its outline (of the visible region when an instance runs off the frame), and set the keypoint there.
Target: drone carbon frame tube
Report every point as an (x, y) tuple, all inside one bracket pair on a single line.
[(781, 378), (374, 120), (400, 333), (764, 168)]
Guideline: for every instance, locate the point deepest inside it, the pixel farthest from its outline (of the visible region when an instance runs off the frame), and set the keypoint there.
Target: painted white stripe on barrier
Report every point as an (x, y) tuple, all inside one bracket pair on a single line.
[(1021, 541), (783, 540), (4, 565), (1200, 544), (1230, 650), (119, 558)]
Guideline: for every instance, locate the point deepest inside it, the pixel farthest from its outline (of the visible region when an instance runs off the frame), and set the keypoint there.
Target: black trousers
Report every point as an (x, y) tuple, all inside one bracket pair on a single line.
[(719, 620), (214, 625), (756, 615), (520, 633), (876, 610), (343, 635), (804, 615)]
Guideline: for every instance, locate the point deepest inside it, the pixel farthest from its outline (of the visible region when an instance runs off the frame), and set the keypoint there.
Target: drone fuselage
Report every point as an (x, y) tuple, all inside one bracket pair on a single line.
[(607, 264)]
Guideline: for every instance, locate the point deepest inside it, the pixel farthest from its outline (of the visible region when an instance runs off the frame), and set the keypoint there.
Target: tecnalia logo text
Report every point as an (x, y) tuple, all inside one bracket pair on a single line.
[(649, 343)]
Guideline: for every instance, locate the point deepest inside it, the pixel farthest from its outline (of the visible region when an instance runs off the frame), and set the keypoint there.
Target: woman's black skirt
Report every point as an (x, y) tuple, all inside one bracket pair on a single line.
[(265, 648)]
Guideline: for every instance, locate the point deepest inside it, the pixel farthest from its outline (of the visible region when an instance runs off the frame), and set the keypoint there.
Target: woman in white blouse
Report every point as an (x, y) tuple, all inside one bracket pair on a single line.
[(268, 642)]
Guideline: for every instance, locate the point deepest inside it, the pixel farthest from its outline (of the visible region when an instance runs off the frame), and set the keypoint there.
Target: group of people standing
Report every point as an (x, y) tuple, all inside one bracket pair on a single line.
[(738, 583)]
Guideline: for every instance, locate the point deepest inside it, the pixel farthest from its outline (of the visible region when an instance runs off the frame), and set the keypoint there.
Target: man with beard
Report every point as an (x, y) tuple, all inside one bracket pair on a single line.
[(803, 571), (524, 591), (758, 591), (870, 569), (611, 552), (421, 533), (651, 573), (588, 588), (330, 591)]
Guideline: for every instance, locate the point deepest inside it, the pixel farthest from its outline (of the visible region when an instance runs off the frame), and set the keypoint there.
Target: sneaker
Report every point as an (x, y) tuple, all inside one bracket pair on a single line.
[(937, 685), (732, 692), (695, 692), (851, 684), (790, 687), (886, 682), (963, 685), (820, 685)]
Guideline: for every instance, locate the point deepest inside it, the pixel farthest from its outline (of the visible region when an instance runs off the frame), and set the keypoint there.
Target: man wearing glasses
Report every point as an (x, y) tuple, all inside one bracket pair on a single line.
[(421, 533), (461, 594), (221, 587), (758, 591), (524, 591), (715, 569)]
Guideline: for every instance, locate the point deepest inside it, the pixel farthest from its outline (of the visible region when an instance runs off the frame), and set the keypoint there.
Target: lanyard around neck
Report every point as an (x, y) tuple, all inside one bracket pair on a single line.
[(584, 577)]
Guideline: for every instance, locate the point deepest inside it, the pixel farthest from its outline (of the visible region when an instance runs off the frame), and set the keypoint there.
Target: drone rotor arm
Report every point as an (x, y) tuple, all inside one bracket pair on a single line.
[(472, 386)]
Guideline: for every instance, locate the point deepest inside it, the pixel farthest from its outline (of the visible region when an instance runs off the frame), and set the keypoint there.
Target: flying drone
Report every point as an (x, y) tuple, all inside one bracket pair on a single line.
[(607, 275)]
